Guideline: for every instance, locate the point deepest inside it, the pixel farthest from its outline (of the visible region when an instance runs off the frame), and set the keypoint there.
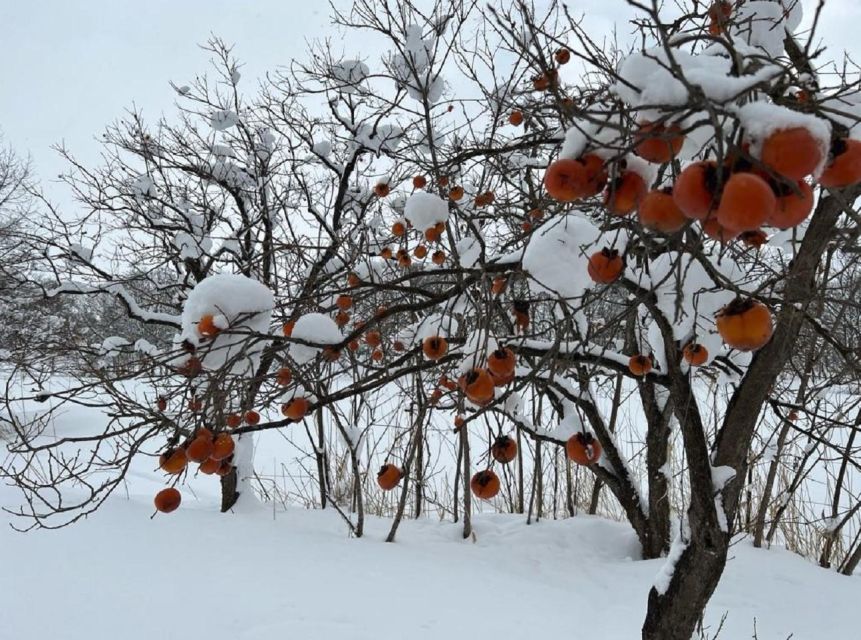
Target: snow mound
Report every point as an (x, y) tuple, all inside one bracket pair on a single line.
[(557, 257), (763, 24), (317, 328), (223, 119), (423, 210), (647, 79), (245, 306)]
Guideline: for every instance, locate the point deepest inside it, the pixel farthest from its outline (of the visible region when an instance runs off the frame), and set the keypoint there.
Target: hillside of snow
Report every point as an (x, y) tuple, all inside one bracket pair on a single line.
[(263, 574)]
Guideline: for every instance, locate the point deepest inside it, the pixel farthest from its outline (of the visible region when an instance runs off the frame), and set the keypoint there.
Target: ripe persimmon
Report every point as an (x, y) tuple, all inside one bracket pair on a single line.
[(545, 81), (389, 476), (386, 253), (501, 362), (640, 364), (353, 345), (504, 449), (191, 368), (206, 326), (398, 228), (794, 204), (478, 386), (435, 396), (844, 169), (536, 214), (624, 194), (438, 257), (605, 266), (516, 118), (225, 467), (173, 461), (695, 189), (342, 318), (373, 338), (695, 354), (793, 153), (447, 383), (330, 354), (434, 347), (209, 466), (419, 182), (252, 417), (744, 324), (233, 420), (484, 199), (583, 449), (222, 446), (377, 355), (168, 500), (596, 174), (434, 233), (657, 142), (718, 13), (455, 193), (404, 259), (566, 180), (562, 56), (382, 189), (659, 212), (521, 314), (353, 280), (420, 251), (484, 484), (498, 285), (199, 449), (284, 376), (397, 345), (295, 409), (746, 203)]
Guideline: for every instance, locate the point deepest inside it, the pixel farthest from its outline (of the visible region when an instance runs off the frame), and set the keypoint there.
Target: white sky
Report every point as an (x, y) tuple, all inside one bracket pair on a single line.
[(69, 67)]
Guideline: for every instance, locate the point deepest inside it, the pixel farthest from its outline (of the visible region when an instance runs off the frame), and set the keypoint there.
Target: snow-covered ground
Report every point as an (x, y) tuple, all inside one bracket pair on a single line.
[(260, 574)]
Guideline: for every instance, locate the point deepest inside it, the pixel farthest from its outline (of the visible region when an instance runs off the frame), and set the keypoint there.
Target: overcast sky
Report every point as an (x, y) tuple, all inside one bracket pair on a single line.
[(69, 67)]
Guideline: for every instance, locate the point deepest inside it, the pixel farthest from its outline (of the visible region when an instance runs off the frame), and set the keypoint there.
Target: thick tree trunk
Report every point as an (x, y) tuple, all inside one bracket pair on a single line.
[(229, 493), (673, 614)]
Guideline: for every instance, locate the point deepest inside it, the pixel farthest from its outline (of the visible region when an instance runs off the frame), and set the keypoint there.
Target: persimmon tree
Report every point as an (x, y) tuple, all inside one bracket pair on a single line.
[(501, 224)]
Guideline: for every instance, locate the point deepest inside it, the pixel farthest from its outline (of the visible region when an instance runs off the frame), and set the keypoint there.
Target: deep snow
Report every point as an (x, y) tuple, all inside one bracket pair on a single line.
[(260, 574)]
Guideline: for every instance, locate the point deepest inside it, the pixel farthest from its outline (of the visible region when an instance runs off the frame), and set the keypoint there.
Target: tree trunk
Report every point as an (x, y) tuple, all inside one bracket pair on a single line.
[(674, 614), (229, 493)]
